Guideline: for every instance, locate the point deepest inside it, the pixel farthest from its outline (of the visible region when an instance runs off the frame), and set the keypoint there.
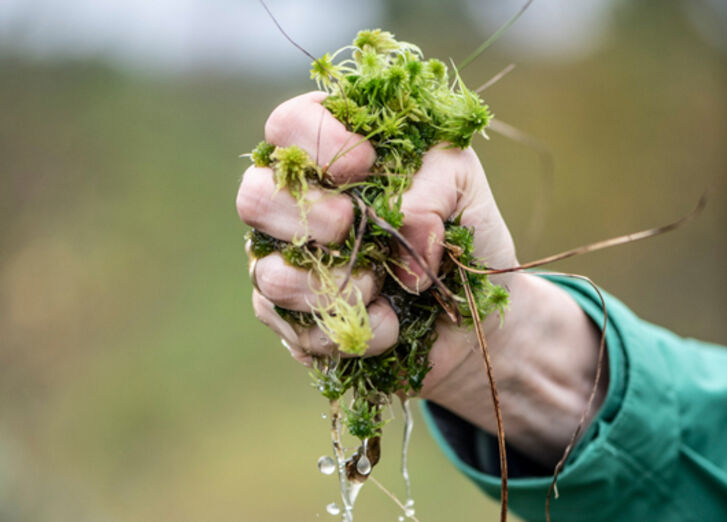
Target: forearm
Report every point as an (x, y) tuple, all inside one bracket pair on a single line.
[(545, 357)]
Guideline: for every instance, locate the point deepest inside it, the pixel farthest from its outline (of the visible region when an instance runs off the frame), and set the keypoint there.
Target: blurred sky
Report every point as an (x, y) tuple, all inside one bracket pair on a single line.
[(234, 36)]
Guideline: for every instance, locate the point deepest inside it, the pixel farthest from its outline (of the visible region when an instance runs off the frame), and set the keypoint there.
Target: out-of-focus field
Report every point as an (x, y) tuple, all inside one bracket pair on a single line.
[(135, 382)]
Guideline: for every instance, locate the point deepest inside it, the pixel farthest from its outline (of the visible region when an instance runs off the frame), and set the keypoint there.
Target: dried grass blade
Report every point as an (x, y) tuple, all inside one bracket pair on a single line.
[(356, 246), (547, 175), (599, 245), (492, 39), (591, 397), (282, 31), (492, 81), (493, 391)]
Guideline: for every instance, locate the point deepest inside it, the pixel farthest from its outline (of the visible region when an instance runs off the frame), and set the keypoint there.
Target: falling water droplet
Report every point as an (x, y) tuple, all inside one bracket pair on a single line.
[(324, 416), (333, 508), (363, 465), (409, 508), (326, 465), (401, 518)]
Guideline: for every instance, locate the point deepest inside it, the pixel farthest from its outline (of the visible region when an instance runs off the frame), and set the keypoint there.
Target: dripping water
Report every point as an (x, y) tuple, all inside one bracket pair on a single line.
[(408, 426), (349, 489), (363, 465), (326, 465)]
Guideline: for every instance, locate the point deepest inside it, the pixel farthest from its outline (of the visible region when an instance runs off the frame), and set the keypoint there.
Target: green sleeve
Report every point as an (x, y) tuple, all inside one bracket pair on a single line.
[(657, 450)]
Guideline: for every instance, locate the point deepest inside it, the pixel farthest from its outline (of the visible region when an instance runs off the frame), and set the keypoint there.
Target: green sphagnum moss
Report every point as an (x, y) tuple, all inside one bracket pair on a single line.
[(403, 105)]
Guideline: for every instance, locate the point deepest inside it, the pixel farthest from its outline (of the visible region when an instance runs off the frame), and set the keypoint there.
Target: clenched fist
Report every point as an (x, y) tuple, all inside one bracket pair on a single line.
[(544, 352)]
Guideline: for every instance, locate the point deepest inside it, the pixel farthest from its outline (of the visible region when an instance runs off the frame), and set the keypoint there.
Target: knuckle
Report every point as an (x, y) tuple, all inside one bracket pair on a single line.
[(277, 126), (251, 197), (336, 218), (290, 117), (279, 284), (367, 285), (355, 163)]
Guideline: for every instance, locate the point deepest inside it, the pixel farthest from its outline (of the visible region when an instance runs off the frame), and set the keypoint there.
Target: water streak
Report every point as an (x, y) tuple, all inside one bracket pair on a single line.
[(349, 489), (408, 427)]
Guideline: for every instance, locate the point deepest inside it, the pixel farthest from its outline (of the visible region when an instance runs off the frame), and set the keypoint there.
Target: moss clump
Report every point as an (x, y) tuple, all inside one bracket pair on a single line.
[(490, 298), (261, 155), (262, 244), (403, 105), (292, 168)]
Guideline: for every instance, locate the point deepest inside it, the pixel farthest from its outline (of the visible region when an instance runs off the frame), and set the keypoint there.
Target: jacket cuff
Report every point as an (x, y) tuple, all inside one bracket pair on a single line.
[(615, 449)]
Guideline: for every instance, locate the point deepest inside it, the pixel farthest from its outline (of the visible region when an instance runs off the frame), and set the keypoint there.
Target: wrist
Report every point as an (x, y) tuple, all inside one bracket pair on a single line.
[(544, 357)]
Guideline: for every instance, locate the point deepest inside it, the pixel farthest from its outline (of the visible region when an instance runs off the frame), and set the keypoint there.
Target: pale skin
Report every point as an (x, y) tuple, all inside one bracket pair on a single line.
[(544, 354)]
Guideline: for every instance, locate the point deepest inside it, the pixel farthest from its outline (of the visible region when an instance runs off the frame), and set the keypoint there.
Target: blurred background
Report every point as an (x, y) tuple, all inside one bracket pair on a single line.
[(135, 383)]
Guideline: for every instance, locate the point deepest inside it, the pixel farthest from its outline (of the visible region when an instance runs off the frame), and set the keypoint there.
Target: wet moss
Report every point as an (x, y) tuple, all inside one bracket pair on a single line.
[(403, 105)]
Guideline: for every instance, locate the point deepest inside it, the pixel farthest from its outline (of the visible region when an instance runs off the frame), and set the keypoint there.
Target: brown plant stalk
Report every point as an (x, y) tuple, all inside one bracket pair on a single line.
[(493, 392)]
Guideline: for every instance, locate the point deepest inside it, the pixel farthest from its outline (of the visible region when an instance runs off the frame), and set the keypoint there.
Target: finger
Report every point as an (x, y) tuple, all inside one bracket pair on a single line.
[(295, 289), (265, 312), (302, 342), (451, 183), (304, 122), (328, 216), (430, 201)]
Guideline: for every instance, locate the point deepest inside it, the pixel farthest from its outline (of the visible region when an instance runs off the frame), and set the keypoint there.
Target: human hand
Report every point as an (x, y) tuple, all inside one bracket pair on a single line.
[(450, 183)]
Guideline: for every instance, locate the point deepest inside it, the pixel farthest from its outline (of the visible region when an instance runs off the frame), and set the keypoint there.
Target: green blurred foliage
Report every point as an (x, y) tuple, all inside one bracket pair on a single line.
[(135, 382)]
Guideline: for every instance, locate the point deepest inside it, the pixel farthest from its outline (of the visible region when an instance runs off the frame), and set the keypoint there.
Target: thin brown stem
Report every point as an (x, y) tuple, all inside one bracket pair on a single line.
[(492, 39), (591, 398), (602, 344), (342, 151), (356, 246), (493, 391), (287, 37), (449, 307), (599, 245), (391, 496), (547, 173), (492, 81), (318, 137)]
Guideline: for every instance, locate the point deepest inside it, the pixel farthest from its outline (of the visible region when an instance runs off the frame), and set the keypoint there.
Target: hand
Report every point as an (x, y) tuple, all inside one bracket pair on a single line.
[(544, 354)]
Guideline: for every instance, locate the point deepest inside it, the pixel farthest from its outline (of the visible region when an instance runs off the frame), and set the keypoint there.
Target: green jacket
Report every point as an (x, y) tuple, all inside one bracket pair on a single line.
[(657, 449)]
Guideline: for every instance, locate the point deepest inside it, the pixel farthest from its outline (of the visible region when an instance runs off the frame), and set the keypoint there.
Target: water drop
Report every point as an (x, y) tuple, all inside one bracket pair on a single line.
[(324, 416), (409, 512), (400, 519), (363, 465), (326, 465), (333, 508)]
